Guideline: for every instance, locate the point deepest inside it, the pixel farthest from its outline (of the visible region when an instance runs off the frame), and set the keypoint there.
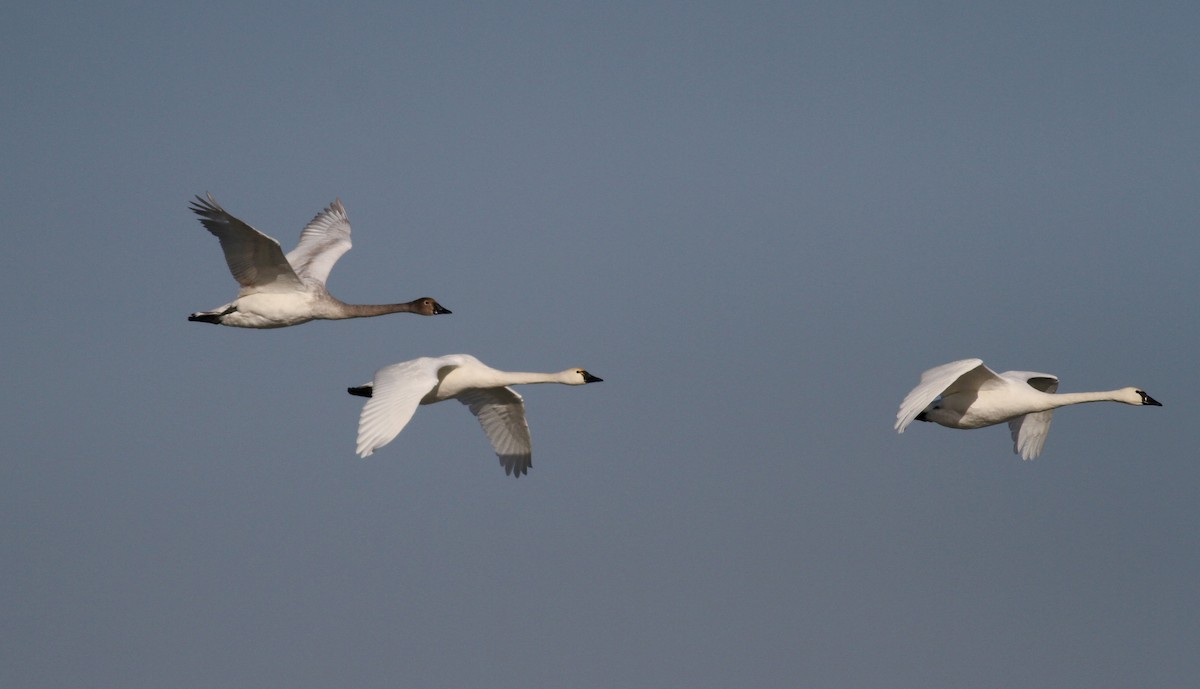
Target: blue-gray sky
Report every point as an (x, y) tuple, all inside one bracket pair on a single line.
[(758, 222)]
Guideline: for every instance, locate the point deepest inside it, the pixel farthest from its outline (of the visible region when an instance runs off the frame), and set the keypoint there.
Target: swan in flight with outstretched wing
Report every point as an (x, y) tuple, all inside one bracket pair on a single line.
[(966, 394), (397, 390), (278, 290)]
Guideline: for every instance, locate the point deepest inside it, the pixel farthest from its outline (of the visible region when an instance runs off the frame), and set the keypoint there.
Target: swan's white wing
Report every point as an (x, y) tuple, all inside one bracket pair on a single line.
[(255, 259), (501, 412), (1029, 431), (956, 376), (324, 239), (397, 390), (1044, 382)]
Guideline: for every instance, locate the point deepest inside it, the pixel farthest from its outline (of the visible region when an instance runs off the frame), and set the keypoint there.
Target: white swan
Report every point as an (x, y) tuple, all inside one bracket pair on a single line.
[(396, 391), (277, 290), (967, 394)]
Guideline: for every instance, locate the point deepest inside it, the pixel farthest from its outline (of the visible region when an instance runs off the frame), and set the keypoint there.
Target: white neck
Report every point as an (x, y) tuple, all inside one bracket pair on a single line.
[(1054, 401), (520, 378)]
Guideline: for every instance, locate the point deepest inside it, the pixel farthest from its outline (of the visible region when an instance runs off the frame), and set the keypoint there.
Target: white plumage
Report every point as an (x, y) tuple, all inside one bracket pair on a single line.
[(397, 390), (967, 394), (278, 291)]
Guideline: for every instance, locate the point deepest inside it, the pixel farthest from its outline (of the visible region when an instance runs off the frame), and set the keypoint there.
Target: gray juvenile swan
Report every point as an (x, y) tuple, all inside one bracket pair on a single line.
[(967, 394), (397, 390), (277, 290)]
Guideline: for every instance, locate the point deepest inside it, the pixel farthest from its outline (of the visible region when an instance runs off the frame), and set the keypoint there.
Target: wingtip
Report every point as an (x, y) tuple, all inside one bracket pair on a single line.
[(516, 465)]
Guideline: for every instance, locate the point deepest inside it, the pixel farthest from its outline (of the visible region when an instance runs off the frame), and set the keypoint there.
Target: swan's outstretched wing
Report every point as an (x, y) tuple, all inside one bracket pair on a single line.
[(1029, 431), (255, 259), (396, 392), (501, 412), (947, 379), (324, 239)]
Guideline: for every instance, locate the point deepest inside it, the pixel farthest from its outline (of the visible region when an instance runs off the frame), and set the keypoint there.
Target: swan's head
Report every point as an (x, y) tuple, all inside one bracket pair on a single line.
[(578, 376), (428, 306), (1138, 397)]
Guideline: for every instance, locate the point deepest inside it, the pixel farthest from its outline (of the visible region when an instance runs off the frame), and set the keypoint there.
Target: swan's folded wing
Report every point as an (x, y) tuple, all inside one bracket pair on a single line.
[(322, 242), (256, 261), (942, 380), (501, 412), (397, 390), (1029, 433)]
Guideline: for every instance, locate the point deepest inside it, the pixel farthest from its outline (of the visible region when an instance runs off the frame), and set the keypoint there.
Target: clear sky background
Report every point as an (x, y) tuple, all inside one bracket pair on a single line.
[(758, 222)]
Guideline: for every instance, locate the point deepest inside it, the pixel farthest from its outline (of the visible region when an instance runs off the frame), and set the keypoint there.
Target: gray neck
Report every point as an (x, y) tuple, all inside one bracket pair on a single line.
[(336, 309), (362, 310)]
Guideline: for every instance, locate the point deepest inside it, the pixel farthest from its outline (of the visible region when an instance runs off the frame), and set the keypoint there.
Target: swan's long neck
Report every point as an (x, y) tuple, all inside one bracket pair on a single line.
[(337, 309), (364, 310), (1063, 399), (520, 378), (473, 378)]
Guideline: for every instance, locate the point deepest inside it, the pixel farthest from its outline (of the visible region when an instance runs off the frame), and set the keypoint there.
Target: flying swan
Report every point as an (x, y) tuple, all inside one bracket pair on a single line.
[(966, 394), (396, 390), (277, 290)]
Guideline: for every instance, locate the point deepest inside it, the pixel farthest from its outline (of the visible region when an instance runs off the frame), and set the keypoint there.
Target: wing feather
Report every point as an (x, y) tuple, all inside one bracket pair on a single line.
[(501, 413), (956, 376), (1029, 431), (322, 242), (397, 391), (254, 259), (1045, 382)]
